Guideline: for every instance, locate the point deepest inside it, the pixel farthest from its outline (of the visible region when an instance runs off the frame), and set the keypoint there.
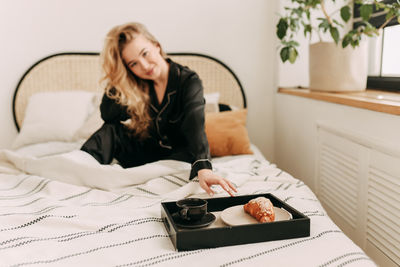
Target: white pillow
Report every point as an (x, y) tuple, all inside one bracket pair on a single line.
[(93, 122), (54, 116), (212, 100)]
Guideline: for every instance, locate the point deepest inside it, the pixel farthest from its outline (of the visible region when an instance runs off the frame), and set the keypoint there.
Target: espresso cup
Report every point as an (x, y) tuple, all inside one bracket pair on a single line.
[(192, 209)]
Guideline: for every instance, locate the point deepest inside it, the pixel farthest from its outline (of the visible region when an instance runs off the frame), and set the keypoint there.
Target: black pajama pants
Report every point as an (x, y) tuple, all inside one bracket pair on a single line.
[(115, 141)]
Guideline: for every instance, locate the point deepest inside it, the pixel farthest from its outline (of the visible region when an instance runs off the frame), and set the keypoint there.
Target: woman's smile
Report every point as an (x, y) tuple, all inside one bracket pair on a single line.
[(150, 72)]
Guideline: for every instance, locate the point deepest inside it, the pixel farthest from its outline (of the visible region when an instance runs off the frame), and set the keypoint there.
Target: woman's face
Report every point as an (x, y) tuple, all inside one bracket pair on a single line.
[(143, 58)]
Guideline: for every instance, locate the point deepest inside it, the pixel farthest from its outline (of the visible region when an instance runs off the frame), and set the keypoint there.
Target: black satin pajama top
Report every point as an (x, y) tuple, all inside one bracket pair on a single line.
[(177, 124)]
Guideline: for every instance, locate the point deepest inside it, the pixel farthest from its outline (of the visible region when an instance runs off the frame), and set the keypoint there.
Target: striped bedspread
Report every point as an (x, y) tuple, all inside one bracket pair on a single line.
[(64, 209)]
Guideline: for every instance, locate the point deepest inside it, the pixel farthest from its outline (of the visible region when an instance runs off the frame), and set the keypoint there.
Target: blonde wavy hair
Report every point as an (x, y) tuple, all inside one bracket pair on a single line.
[(121, 84)]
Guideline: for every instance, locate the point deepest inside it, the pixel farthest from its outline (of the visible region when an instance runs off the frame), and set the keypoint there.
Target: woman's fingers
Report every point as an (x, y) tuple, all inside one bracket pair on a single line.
[(208, 178), (227, 186), (231, 185), (206, 187)]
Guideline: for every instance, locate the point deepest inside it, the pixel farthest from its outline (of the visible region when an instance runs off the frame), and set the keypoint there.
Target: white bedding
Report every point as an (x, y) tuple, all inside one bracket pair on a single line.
[(58, 206)]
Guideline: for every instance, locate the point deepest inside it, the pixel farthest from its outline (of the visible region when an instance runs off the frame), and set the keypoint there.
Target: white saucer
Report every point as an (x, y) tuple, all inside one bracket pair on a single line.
[(237, 216)]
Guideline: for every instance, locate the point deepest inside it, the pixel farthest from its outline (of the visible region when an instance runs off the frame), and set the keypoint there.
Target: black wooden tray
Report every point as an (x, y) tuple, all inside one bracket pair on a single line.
[(219, 234)]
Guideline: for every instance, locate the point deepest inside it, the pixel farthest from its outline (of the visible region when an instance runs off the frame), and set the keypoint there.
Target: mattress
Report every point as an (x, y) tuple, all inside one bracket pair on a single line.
[(58, 206)]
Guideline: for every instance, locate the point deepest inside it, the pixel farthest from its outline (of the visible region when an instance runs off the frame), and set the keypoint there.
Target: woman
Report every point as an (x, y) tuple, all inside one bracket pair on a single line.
[(153, 108)]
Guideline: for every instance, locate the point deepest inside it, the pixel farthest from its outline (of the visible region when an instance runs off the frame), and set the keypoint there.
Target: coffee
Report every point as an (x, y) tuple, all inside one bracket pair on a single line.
[(192, 209)]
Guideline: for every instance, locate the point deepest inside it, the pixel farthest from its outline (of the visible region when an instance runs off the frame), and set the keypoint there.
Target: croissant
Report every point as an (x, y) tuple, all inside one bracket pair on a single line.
[(261, 209)]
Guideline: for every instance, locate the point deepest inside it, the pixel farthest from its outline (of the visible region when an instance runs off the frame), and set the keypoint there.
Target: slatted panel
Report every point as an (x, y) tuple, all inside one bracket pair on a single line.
[(354, 170), (338, 172), (383, 206)]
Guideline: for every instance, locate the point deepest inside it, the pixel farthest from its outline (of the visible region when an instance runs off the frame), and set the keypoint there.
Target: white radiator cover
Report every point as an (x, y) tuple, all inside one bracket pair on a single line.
[(358, 182)]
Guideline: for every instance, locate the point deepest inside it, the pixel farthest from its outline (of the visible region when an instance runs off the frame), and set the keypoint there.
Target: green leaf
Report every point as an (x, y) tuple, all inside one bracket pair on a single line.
[(337, 23), (379, 5), (389, 15), (284, 53), (294, 24), (298, 11), (355, 43), (307, 29), (312, 3), (345, 13), (292, 54), (281, 28), (324, 25), (308, 14), (346, 40), (349, 37), (355, 40), (370, 30), (366, 11), (334, 33)]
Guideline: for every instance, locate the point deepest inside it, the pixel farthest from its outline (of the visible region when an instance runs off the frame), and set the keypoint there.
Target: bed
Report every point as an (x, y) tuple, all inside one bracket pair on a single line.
[(58, 206)]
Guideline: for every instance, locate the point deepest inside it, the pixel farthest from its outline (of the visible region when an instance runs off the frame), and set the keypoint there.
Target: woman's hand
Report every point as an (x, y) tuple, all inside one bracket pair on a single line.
[(208, 177)]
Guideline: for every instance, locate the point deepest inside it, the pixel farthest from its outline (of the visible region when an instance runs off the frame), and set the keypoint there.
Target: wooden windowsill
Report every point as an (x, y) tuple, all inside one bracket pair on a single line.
[(380, 101)]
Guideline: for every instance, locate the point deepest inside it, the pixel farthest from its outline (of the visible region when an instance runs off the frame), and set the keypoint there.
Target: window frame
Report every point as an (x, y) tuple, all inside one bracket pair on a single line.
[(383, 83)]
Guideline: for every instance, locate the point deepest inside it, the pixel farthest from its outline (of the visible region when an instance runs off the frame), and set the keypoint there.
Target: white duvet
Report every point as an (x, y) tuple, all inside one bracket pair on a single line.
[(59, 207)]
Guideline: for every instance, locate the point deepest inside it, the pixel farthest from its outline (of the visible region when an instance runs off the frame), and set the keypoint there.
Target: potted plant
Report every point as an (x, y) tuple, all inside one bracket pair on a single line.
[(341, 64)]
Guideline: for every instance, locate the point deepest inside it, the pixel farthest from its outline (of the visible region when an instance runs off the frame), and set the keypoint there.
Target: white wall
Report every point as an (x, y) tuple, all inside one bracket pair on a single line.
[(296, 130), (239, 33), (296, 117)]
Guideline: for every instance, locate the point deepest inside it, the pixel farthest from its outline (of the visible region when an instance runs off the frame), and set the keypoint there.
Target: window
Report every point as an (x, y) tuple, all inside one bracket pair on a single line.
[(384, 54), (391, 52)]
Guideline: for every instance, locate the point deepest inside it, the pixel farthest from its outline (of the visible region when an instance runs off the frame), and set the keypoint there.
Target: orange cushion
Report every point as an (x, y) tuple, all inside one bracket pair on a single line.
[(227, 134)]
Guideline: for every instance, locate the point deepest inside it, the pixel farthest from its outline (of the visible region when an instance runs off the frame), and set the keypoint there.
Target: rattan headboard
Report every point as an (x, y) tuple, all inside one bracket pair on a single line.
[(81, 71)]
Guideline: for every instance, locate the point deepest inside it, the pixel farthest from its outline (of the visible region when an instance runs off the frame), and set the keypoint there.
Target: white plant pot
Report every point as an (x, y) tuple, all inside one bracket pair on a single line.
[(334, 69)]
